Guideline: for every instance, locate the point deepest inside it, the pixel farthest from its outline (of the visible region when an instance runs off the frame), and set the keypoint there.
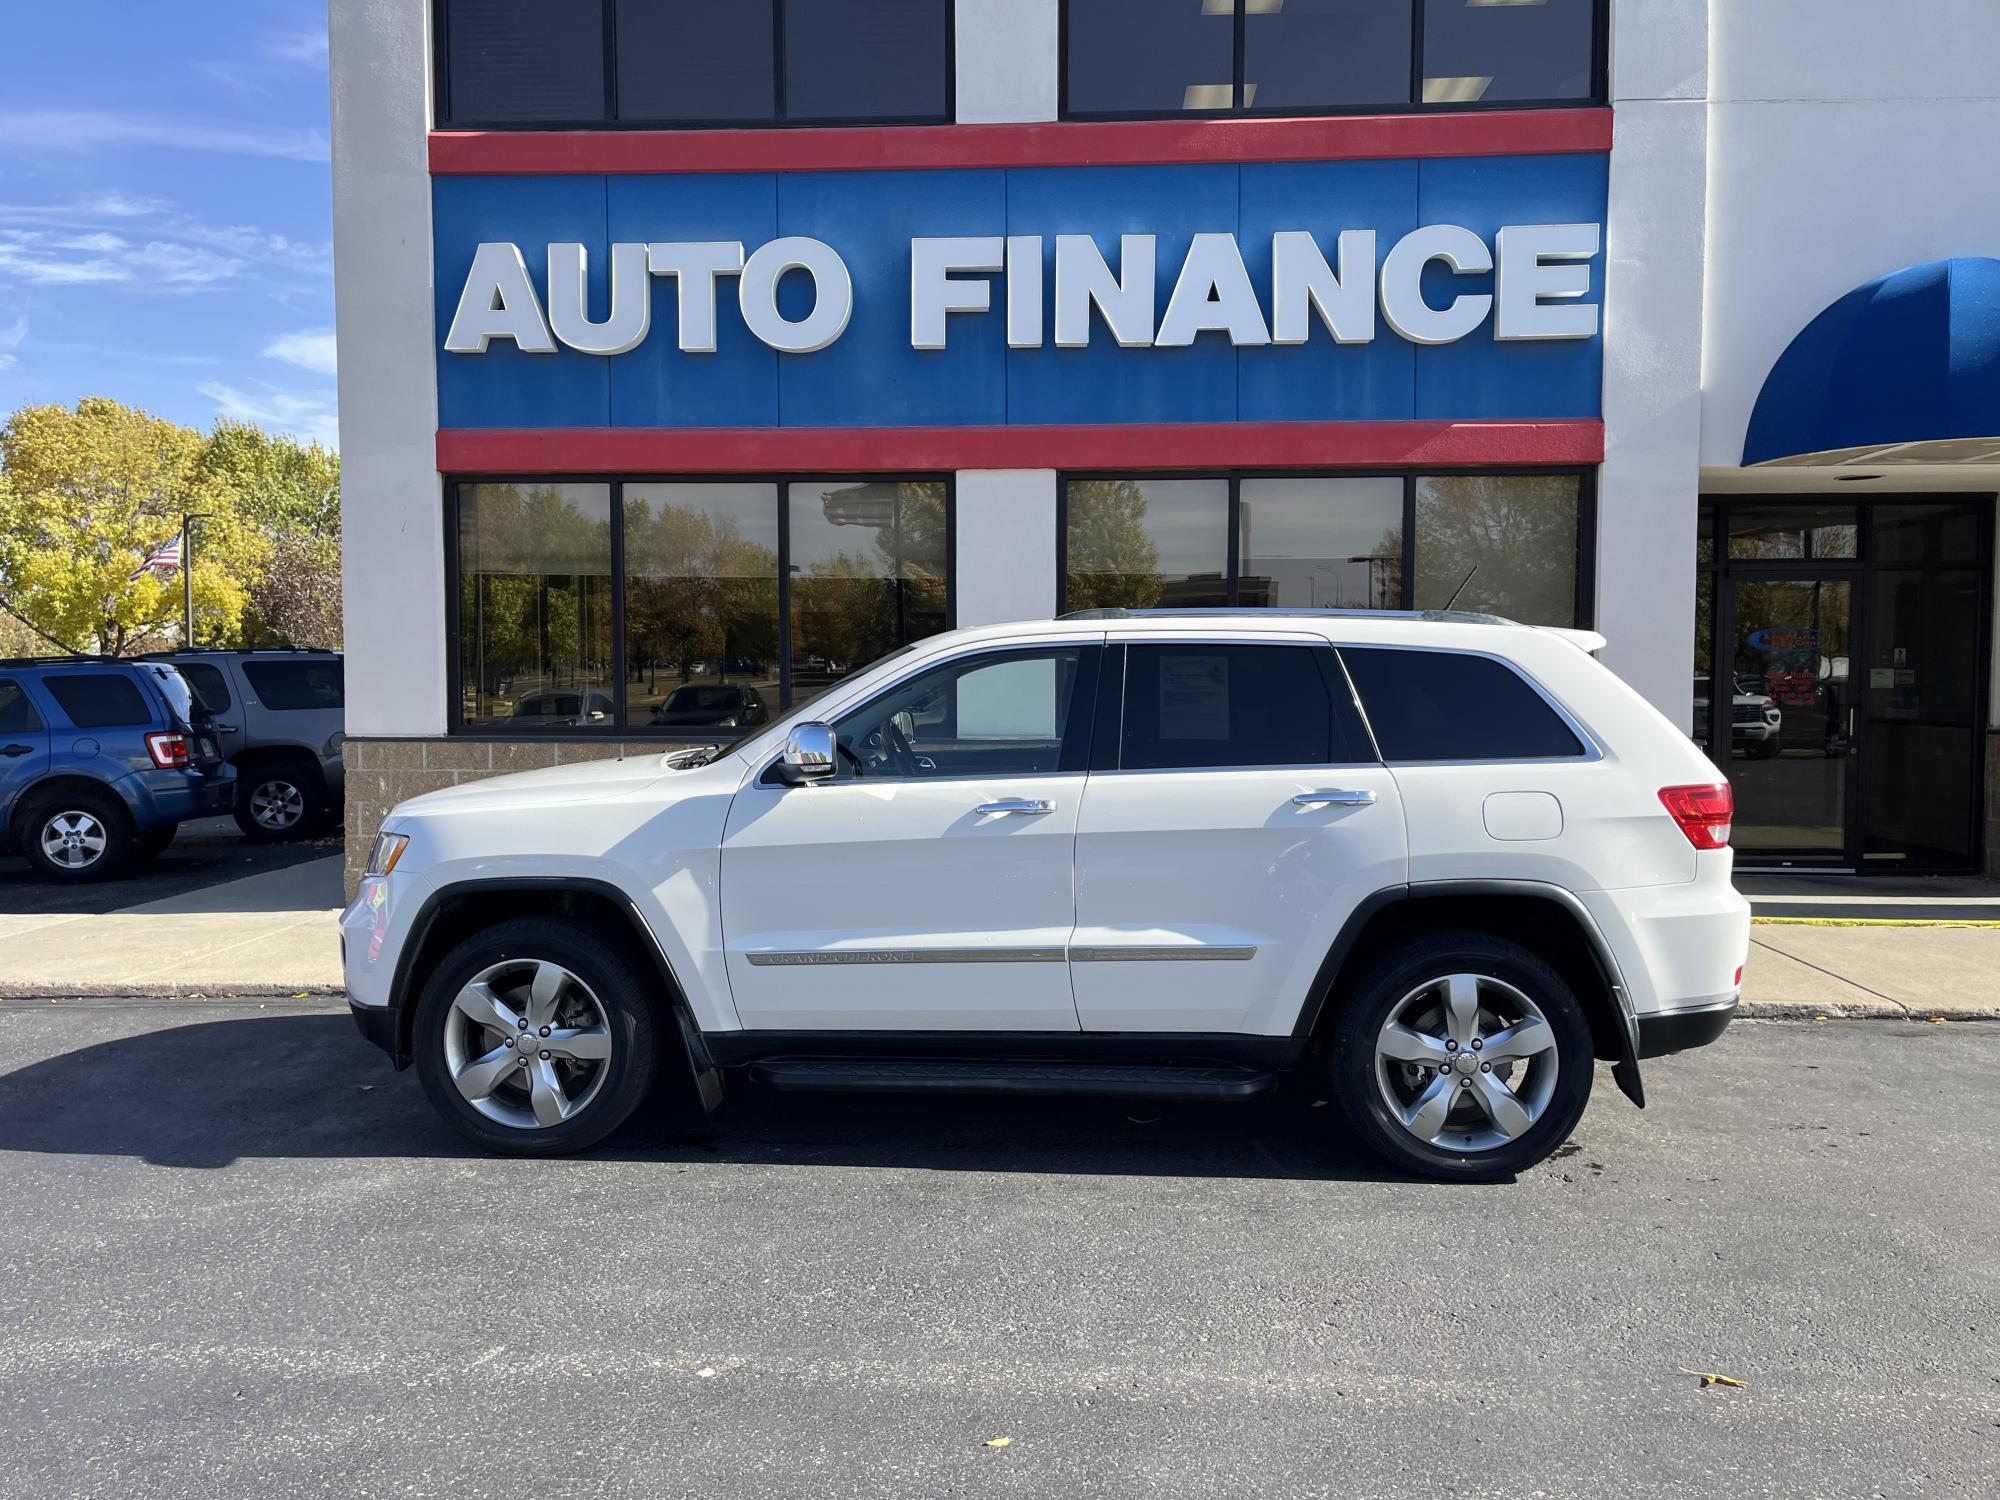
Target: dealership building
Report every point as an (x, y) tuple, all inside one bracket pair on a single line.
[(694, 356)]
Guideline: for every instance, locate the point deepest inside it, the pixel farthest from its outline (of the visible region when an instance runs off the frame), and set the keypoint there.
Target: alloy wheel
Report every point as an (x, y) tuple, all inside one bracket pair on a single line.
[(277, 805), (1466, 1062), (74, 840), (527, 1043)]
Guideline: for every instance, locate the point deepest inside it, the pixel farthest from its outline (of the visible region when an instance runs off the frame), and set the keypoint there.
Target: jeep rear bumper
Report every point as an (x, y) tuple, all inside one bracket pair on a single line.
[(1685, 1027)]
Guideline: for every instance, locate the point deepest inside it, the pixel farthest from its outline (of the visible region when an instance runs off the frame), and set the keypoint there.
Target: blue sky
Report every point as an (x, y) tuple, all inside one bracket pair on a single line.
[(165, 209)]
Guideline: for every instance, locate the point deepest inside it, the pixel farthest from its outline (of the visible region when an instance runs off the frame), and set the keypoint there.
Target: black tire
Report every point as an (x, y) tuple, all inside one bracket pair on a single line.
[(280, 799), (613, 980), (1382, 990), (100, 810), (150, 845), (1766, 749)]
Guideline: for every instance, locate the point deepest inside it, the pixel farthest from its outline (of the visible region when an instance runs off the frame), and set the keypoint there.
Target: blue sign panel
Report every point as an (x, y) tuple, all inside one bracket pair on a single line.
[(1473, 294)]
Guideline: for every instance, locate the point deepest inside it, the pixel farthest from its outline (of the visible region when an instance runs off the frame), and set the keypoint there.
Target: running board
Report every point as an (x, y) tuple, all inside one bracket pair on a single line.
[(1103, 1080)]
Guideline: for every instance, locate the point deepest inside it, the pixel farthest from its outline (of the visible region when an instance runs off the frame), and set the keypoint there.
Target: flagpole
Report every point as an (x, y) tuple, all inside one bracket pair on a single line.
[(188, 518)]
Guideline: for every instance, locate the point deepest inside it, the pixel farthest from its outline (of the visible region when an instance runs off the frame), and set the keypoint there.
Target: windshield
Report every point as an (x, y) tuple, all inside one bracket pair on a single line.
[(704, 697), (769, 740)]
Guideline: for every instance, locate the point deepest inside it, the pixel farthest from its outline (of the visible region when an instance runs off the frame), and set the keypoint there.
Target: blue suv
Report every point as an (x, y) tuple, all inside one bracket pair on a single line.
[(100, 761)]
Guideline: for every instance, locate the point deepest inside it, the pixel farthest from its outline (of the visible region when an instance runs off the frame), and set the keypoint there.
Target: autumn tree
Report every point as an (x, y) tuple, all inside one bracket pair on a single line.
[(90, 492), (86, 493), (290, 492)]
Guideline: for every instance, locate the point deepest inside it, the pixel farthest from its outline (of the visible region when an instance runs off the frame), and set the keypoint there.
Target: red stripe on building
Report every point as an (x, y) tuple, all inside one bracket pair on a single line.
[(1188, 445), (1528, 132)]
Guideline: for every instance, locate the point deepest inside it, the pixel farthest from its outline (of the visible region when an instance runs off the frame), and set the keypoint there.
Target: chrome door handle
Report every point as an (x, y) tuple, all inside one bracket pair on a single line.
[(1014, 805), (1337, 797)]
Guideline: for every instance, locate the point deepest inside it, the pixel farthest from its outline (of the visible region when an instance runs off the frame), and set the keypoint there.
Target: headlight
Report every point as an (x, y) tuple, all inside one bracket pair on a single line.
[(388, 849)]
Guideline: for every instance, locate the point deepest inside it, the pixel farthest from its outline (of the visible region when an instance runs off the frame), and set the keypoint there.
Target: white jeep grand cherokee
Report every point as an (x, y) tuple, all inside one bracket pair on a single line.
[(1438, 862)]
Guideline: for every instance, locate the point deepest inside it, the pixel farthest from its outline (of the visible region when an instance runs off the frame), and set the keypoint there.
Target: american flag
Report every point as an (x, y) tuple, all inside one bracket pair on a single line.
[(166, 555)]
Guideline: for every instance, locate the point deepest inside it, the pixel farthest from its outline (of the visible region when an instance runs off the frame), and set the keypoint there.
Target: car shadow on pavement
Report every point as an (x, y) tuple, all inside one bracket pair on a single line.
[(206, 1094)]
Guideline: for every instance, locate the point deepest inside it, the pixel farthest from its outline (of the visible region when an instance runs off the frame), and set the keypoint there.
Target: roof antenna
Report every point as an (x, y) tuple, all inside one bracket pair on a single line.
[(1461, 588)]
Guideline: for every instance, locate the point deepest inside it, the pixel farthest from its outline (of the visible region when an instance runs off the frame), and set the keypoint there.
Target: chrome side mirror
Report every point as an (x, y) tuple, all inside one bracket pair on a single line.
[(809, 754)]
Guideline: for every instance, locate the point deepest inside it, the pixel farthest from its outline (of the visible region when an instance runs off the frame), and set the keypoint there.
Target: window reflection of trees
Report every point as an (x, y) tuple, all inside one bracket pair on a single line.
[(701, 596), (1113, 562), (869, 567), (534, 594), (1518, 531)]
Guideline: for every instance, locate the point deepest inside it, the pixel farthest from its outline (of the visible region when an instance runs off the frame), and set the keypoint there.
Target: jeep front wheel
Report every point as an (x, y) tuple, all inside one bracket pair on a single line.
[(535, 1039)]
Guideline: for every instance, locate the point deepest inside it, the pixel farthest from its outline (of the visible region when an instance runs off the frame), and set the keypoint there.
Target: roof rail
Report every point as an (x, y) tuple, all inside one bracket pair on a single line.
[(168, 655), (83, 658), (1253, 612)]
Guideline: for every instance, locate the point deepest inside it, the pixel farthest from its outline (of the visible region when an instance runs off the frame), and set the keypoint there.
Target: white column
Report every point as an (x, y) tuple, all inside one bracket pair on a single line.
[(1005, 545), (1006, 60), (1649, 487), (392, 549)]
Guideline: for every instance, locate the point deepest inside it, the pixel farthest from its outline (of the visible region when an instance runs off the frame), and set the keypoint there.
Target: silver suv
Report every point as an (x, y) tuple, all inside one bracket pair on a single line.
[(281, 716)]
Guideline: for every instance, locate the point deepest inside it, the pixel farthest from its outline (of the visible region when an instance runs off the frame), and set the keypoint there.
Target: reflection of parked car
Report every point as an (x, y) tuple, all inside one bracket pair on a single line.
[(100, 761), (701, 705), (1755, 719), (281, 716), (564, 707)]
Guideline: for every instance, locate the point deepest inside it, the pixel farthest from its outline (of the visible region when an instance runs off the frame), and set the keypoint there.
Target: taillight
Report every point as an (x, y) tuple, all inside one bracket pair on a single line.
[(1703, 812), (169, 750)]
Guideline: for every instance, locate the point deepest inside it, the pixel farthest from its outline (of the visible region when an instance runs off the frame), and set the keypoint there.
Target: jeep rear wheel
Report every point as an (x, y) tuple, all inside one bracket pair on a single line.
[(1463, 1057), (535, 1038)]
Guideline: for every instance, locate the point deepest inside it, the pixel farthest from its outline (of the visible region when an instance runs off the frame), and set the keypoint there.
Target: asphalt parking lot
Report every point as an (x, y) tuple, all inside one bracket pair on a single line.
[(206, 853), (245, 1260)]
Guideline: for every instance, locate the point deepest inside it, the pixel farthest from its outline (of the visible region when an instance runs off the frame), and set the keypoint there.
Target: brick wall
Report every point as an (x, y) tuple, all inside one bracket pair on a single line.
[(381, 773)]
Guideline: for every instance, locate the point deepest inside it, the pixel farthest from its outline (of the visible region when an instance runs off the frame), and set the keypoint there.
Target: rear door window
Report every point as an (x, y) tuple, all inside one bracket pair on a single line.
[(210, 686), (1452, 706), (1201, 706), (17, 714), (99, 700), (287, 685)]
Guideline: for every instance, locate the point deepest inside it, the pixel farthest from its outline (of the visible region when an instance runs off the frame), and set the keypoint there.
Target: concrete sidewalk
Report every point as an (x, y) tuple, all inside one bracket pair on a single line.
[(270, 933), (1838, 948)]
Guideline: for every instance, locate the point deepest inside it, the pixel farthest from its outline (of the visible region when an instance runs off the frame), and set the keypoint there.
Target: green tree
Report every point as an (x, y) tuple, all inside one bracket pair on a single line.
[(87, 492), (90, 492)]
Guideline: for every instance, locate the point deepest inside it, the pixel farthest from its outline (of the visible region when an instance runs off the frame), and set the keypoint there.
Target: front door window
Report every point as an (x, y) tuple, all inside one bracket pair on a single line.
[(1790, 710)]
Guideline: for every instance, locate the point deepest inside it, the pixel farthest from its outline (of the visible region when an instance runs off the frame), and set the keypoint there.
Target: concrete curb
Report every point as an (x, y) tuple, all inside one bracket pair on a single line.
[(170, 991), (1866, 1010)]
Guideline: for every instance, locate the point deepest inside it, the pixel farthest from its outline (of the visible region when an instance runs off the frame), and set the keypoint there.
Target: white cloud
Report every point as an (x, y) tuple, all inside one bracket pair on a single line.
[(86, 241), (305, 414), (46, 130), (308, 47), (312, 350), (22, 260), (12, 336)]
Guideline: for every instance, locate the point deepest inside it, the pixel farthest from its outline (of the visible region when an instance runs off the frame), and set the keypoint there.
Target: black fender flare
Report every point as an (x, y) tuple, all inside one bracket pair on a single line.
[(1624, 1066), (702, 1078)]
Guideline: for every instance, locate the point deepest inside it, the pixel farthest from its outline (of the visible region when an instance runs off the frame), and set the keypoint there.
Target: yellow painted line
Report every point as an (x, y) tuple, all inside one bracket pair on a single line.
[(1868, 922)]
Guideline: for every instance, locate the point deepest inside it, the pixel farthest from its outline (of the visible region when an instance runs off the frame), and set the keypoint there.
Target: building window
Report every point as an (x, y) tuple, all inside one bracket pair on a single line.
[(1502, 543), (708, 609), (1137, 543), (534, 606), (1134, 58), (530, 64), (1507, 544)]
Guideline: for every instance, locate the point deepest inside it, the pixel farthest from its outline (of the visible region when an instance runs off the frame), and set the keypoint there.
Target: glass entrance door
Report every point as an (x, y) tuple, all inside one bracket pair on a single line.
[(1789, 702)]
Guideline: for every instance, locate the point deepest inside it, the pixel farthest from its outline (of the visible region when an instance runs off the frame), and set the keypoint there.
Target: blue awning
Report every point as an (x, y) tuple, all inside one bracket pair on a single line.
[(1911, 358)]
